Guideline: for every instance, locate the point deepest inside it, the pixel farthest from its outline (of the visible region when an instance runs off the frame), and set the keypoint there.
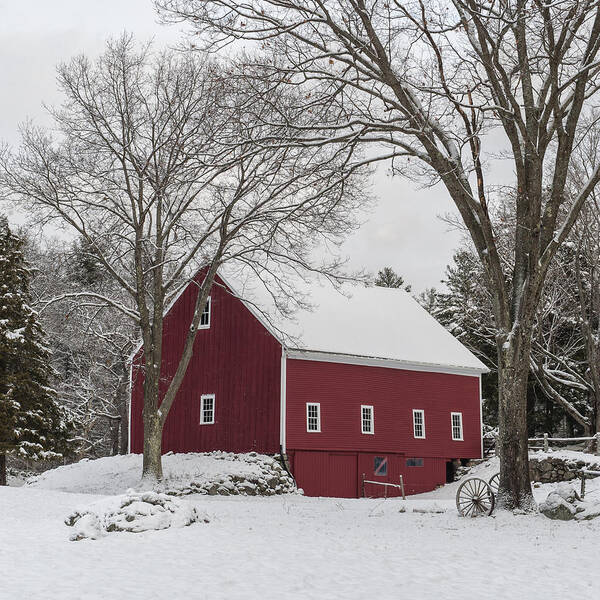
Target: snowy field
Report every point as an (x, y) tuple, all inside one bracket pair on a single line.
[(288, 546)]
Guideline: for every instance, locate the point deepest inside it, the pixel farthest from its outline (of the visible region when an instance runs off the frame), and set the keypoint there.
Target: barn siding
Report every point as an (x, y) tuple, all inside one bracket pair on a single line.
[(341, 389), (236, 359)]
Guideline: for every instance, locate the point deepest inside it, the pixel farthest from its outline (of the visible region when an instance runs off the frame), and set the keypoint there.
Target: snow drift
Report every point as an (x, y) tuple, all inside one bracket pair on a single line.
[(211, 473)]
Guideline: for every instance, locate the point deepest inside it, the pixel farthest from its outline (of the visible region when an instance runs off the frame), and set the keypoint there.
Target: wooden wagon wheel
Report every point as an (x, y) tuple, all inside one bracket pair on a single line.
[(494, 483), (475, 498)]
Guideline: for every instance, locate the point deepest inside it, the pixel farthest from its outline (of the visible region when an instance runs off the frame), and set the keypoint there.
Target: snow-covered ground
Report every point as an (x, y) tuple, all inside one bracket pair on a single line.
[(292, 547), (182, 473)]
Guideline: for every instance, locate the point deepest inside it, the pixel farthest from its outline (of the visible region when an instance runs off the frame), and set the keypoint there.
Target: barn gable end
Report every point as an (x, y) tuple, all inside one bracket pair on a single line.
[(236, 359)]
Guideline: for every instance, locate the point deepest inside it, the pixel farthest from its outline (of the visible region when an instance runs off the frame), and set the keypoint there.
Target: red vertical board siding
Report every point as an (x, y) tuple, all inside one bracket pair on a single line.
[(334, 472), (236, 359), (341, 389)]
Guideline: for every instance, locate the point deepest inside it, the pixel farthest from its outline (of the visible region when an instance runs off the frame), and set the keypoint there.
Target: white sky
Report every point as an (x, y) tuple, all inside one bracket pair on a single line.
[(404, 230)]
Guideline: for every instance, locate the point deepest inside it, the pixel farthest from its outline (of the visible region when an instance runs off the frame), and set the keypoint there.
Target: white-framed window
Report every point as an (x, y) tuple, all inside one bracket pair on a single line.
[(366, 419), (419, 423), (313, 416), (457, 426), (205, 316), (207, 409)]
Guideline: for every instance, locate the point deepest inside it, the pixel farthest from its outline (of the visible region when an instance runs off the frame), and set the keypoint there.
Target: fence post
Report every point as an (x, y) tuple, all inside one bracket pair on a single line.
[(545, 442), (598, 443)]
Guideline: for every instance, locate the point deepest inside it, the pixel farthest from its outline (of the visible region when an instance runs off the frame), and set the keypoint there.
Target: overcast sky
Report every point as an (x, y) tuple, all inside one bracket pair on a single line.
[(403, 231)]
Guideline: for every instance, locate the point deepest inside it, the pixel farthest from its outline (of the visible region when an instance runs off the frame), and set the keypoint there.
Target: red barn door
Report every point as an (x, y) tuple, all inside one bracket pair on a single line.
[(332, 474)]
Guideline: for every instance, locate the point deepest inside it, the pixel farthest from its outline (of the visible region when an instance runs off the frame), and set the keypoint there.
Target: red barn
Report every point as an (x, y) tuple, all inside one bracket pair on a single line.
[(364, 385)]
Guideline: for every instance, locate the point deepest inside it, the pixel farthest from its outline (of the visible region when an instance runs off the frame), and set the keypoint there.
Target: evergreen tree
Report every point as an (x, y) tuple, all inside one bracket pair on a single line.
[(84, 266), (465, 309), (32, 424), (387, 277)]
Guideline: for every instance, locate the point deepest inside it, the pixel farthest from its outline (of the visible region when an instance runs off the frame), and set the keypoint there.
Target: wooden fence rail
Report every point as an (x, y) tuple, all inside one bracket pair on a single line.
[(393, 485), (546, 441)]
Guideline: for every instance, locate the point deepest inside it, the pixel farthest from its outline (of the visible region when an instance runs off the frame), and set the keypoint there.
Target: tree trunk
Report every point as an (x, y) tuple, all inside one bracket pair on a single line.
[(513, 372), (114, 435), (3, 469), (124, 426), (152, 466)]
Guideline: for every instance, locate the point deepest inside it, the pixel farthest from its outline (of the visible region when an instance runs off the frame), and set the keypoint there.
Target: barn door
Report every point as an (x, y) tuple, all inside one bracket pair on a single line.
[(326, 473), (342, 476)]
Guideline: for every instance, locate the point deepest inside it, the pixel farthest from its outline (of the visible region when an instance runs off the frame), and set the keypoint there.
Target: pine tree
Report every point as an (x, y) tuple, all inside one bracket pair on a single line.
[(465, 309), (84, 266), (32, 424), (387, 277)]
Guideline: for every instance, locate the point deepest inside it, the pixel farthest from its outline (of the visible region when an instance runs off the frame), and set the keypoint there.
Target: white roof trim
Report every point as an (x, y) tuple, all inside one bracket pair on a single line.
[(372, 361)]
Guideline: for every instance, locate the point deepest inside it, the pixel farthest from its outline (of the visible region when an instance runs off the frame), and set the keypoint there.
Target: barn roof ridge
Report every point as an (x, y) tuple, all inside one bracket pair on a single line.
[(375, 342)]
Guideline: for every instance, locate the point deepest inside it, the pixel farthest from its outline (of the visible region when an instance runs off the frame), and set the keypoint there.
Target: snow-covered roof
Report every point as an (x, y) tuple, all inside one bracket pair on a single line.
[(372, 322)]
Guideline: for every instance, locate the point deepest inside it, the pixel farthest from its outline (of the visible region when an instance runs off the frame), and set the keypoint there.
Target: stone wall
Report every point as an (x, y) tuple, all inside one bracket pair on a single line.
[(546, 468)]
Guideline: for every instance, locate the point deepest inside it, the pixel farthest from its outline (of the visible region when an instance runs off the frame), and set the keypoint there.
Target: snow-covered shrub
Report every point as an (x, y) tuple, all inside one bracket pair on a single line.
[(134, 512)]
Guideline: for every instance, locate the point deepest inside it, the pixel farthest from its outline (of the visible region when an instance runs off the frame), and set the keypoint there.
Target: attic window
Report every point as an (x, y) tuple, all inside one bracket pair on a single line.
[(419, 423), (205, 316), (313, 416), (207, 409)]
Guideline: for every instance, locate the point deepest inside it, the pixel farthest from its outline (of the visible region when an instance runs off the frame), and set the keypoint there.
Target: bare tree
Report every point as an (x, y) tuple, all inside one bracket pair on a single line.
[(155, 167), (587, 272), (444, 87), (586, 240), (90, 343)]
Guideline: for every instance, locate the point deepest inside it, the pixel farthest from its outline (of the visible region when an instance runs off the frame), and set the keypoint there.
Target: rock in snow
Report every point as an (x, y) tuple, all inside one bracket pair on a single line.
[(134, 512), (564, 504), (560, 503)]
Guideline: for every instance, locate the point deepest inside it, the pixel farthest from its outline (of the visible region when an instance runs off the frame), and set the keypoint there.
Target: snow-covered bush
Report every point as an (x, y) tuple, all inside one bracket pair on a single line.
[(134, 512)]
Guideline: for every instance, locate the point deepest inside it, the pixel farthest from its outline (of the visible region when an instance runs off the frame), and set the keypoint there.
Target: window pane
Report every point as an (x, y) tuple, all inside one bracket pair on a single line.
[(205, 316), (367, 419), (380, 466), (419, 424), (457, 426), (208, 410), (415, 462), (312, 417)]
